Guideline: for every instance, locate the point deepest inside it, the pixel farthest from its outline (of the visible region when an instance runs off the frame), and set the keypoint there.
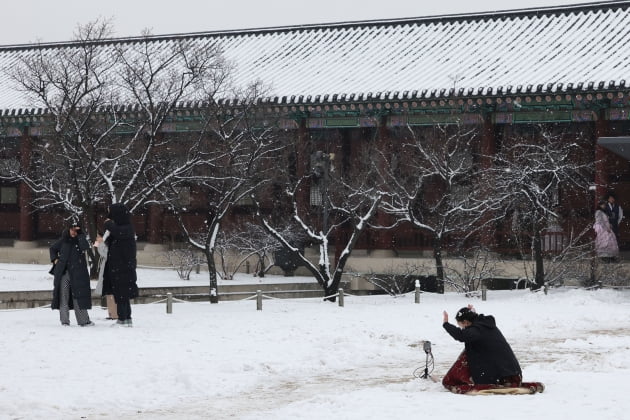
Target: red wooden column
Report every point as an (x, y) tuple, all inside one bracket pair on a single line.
[(303, 163), (488, 148), (384, 239), (25, 195), (488, 142), (602, 129), (155, 226)]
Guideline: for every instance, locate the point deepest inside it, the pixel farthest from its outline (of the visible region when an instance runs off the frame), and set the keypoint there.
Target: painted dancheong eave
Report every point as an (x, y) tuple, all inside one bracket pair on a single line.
[(539, 51)]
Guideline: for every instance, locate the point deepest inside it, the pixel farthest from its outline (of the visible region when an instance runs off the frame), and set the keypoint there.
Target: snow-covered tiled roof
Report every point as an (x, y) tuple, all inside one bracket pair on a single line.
[(540, 50)]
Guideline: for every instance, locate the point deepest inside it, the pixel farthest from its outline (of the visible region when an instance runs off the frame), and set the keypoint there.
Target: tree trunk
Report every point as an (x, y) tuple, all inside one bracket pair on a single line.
[(331, 291), (332, 287), (260, 267), (212, 274), (439, 264), (538, 259)]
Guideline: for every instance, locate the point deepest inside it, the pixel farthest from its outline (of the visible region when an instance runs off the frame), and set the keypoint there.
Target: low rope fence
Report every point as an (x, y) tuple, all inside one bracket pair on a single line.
[(259, 296), (25, 309), (40, 269), (340, 296), (155, 267)]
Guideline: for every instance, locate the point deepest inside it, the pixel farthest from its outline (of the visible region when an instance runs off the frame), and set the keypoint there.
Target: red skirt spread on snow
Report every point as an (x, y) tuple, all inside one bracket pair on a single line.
[(458, 380)]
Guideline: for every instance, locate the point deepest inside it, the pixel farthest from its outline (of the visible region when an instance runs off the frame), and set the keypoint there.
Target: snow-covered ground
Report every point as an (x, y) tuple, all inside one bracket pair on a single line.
[(36, 277), (307, 359)]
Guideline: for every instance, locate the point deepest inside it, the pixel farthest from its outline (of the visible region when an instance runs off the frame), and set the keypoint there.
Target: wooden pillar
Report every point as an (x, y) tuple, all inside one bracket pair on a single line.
[(155, 222), (155, 225), (488, 142), (25, 195), (602, 129), (302, 162), (384, 239), (488, 148)]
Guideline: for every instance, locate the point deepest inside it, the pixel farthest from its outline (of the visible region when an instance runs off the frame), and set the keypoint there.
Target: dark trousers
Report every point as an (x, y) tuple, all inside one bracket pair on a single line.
[(123, 307), (83, 318)]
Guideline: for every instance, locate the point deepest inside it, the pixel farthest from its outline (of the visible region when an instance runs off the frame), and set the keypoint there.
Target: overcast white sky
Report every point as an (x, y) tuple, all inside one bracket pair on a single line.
[(27, 21)]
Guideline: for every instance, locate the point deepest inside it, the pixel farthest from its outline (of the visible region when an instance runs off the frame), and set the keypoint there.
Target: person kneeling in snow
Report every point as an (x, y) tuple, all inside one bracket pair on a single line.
[(487, 365)]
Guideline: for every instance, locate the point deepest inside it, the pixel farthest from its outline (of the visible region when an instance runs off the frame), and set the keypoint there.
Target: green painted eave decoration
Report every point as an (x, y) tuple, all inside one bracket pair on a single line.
[(433, 119), (182, 126), (527, 117), (618, 114), (340, 122), (287, 124)]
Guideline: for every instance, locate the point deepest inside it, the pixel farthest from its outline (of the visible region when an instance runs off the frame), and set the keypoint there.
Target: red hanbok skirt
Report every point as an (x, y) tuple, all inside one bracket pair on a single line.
[(458, 380)]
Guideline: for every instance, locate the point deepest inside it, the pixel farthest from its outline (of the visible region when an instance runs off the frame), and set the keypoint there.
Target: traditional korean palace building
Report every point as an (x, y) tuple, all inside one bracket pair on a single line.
[(501, 71)]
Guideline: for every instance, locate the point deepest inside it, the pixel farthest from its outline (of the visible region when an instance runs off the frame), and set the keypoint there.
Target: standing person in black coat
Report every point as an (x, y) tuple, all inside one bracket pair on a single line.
[(615, 214), (72, 279), (487, 362), (120, 268)]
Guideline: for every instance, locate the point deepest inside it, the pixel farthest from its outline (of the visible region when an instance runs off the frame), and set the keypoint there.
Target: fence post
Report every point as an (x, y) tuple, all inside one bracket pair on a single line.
[(259, 300), (417, 291), (484, 292), (340, 297), (169, 303)]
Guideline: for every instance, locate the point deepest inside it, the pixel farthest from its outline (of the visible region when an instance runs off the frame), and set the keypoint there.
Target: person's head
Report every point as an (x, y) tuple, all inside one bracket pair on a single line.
[(465, 317), (601, 205), (74, 229), (119, 213), (611, 198)]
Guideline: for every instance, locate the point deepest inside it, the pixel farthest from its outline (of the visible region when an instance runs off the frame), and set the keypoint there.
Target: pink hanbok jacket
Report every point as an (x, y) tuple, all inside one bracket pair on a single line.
[(605, 240)]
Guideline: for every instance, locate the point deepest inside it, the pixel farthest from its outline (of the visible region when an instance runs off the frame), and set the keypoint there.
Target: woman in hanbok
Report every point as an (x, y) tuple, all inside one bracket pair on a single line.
[(606, 246)]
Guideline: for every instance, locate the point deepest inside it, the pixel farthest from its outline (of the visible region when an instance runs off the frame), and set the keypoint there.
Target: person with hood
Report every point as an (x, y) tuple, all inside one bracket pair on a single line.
[(72, 280), (487, 364), (120, 266)]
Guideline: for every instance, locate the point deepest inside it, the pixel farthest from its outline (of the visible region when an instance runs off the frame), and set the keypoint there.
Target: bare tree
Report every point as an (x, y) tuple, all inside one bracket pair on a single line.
[(432, 180), (184, 260), (73, 85), (113, 107), (254, 241), (108, 104), (471, 269), (397, 281), (231, 254), (239, 244), (345, 203), (158, 82), (236, 157), (532, 171)]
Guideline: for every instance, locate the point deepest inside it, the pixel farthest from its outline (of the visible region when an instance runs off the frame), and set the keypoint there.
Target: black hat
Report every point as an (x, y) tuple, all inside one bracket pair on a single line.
[(466, 314)]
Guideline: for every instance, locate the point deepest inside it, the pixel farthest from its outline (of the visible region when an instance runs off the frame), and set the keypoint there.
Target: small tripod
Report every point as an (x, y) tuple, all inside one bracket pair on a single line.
[(429, 362)]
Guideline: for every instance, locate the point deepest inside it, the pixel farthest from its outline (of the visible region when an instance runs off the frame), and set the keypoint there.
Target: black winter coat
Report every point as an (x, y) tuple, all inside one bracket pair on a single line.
[(120, 268), (71, 255), (490, 357)]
